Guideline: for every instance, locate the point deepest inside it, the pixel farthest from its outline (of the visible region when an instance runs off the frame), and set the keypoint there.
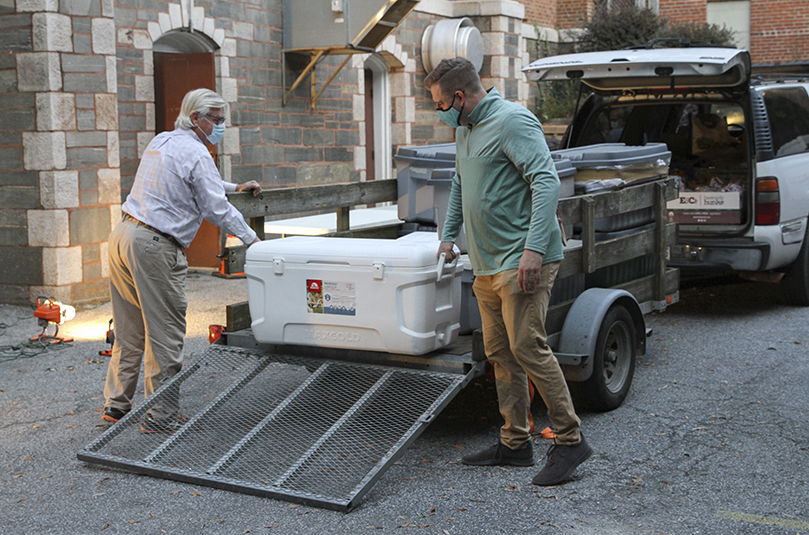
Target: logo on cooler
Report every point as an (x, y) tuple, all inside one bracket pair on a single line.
[(332, 336), (314, 285)]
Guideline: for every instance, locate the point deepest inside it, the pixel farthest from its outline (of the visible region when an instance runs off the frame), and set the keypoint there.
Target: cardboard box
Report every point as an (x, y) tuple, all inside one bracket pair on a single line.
[(706, 208)]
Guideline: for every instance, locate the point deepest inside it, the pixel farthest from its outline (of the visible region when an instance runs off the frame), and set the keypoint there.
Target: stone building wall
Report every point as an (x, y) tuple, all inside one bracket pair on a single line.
[(77, 91), (60, 158), (266, 141), (508, 43)]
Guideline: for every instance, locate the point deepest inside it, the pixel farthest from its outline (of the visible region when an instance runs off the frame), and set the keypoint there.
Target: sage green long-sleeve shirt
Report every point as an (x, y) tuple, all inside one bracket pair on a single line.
[(505, 190)]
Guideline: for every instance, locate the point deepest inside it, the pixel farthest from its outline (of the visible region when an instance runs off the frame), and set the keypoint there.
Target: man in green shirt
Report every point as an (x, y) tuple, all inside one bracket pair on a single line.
[(505, 194)]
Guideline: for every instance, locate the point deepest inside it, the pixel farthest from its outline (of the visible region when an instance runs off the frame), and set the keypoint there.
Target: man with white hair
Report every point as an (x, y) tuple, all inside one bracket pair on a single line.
[(177, 185)]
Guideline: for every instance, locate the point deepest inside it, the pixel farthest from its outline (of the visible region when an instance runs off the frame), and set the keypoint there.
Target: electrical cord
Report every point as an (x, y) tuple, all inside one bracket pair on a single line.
[(4, 326), (29, 348)]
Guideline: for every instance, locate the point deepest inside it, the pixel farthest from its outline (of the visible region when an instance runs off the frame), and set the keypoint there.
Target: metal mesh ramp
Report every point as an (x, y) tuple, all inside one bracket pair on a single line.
[(311, 431)]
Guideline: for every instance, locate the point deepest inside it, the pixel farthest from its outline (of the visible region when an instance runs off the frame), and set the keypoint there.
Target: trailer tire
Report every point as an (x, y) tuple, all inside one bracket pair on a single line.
[(613, 363), (795, 286)]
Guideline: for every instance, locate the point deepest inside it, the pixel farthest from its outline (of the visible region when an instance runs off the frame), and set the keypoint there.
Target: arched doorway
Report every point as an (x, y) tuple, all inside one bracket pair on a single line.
[(184, 61), (378, 155)]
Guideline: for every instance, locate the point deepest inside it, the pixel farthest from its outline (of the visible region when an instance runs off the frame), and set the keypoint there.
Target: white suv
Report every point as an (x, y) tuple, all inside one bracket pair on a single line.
[(739, 144)]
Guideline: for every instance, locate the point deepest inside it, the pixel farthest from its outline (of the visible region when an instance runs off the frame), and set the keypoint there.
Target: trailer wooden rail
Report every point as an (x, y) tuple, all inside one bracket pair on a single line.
[(285, 201), (584, 209)]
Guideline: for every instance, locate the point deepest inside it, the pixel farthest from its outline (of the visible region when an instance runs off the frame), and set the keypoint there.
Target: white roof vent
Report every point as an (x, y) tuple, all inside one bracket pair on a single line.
[(451, 38)]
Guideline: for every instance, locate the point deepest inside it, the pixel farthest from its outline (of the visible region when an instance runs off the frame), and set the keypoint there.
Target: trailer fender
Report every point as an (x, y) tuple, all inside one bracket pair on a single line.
[(583, 321)]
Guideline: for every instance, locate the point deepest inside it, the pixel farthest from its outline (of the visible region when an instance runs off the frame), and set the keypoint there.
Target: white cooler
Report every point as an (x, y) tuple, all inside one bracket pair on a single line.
[(354, 293)]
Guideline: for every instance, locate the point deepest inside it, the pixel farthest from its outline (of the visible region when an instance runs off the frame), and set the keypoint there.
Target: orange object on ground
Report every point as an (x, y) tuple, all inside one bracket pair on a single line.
[(215, 332), (547, 433)]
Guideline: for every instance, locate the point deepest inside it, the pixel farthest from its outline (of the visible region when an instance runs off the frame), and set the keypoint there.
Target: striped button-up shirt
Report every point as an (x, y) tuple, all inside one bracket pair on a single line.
[(177, 186)]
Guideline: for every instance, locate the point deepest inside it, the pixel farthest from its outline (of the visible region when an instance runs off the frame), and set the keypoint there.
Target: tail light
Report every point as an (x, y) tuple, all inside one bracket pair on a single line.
[(768, 201)]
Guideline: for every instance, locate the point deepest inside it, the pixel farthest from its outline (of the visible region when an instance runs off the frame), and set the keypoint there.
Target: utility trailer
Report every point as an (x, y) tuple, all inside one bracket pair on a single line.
[(320, 426)]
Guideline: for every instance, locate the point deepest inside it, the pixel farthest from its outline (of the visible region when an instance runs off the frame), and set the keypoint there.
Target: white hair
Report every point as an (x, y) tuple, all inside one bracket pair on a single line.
[(199, 100)]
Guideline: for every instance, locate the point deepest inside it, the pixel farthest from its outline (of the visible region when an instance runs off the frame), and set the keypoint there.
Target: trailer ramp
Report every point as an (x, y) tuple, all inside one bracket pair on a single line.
[(317, 432)]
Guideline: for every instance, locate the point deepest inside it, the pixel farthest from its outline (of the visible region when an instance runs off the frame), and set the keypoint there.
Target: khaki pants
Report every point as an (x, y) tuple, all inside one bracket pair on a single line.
[(515, 340), (147, 285)]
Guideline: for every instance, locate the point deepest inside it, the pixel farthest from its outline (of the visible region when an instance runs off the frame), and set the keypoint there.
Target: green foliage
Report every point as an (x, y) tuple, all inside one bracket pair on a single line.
[(700, 33), (614, 29), (631, 26), (621, 27), (555, 100)]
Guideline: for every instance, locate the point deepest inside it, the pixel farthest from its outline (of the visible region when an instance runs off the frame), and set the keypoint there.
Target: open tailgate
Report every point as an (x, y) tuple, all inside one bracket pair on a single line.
[(617, 71)]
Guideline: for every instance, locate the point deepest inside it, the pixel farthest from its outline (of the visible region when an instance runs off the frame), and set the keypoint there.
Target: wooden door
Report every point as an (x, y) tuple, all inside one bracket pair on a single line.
[(175, 75)]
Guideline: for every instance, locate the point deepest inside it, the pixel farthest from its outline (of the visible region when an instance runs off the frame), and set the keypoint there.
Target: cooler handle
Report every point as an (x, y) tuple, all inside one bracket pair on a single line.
[(441, 267)]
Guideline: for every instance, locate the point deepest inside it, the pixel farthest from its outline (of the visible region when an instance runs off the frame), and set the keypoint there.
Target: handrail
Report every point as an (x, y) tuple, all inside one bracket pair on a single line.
[(612, 202), (283, 201)]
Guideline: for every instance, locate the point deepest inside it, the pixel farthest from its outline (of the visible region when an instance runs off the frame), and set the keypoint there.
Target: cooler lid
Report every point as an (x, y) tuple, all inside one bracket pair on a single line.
[(441, 177), (646, 70), (413, 252), (613, 154), (444, 176), (438, 155), (564, 167)]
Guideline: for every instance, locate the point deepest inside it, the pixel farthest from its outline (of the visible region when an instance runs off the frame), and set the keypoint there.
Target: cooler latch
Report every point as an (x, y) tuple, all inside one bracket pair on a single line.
[(378, 270), (278, 266)]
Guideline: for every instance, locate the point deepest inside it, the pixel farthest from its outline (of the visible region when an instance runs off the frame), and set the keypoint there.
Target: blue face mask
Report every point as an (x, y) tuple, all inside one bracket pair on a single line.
[(450, 115), (217, 132)]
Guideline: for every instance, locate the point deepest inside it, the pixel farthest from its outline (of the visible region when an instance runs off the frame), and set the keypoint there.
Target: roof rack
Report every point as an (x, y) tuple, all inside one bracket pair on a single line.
[(761, 78)]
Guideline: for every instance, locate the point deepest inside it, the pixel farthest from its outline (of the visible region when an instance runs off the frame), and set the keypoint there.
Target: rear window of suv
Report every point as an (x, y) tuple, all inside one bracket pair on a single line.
[(706, 139), (788, 114)]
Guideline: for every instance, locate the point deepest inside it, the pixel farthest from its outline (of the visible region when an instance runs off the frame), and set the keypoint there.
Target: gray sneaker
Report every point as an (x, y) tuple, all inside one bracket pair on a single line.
[(500, 454), (562, 462)]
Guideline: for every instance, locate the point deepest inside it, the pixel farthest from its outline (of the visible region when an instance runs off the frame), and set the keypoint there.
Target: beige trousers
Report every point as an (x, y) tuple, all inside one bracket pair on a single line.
[(516, 346), (147, 286)]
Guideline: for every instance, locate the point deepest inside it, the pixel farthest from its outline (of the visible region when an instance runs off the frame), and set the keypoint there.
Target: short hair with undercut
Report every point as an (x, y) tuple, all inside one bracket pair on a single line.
[(456, 74), (200, 100)]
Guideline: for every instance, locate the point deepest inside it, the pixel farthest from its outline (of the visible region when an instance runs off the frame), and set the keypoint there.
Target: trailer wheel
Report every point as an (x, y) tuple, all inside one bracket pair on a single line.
[(795, 286), (613, 363)]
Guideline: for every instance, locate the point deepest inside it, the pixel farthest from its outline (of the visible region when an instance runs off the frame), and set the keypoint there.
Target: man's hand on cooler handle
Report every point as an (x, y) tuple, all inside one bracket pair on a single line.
[(447, 247)]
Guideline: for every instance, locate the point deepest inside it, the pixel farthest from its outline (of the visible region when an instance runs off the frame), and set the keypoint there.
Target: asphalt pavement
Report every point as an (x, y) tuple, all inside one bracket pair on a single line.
[(712, 439)]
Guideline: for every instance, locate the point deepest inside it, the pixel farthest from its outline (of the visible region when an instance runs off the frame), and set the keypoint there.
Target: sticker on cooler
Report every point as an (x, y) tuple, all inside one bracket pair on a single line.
[(314, 296), (325, 297)]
